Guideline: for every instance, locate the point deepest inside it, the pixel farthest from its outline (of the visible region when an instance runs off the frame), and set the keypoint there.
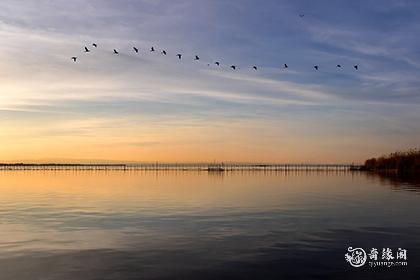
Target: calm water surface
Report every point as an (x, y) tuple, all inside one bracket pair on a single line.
[(199, 225)]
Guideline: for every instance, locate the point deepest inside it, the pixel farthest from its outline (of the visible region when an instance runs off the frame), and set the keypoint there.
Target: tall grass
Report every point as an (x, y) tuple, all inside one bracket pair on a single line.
[(401, 162)]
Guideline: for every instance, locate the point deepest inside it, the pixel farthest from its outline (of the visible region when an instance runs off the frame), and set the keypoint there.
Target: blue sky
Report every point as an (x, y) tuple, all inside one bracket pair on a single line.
[(148, 106)]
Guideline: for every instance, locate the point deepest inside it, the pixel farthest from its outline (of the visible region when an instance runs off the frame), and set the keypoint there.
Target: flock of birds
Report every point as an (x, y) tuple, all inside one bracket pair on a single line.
[(164, 52), (196, 58)]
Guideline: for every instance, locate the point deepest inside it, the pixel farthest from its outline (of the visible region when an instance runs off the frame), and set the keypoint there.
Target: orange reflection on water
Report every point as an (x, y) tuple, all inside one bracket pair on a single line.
[(137, 189)]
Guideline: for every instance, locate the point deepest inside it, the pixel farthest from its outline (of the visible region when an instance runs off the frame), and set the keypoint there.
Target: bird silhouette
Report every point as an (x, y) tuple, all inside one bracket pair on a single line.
[(197, 57), (95, 45), (115, 51), (301, 15), (152, 49), (136, 49), (74, 58), (254, 67), (356, 67), (179, 56), (86, 49), (164, 52), (233, 67), (316, 67), (339, 65), (286, 66), (217, 63)]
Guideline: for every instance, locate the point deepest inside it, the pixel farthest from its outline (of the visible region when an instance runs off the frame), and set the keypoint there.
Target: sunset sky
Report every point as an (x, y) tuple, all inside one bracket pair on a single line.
[(151, 107)]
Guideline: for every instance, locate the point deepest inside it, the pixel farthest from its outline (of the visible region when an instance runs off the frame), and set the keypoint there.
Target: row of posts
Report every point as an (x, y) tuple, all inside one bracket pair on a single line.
[(183, 166)]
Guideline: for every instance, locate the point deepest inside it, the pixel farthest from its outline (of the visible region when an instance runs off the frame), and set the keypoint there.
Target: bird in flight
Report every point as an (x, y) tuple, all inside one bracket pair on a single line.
[(338, 65), (74, 58), (95, 45), (164, 52), (301, 15), (179, 56), (217, 63), (136, 49), (356, 67), (115, 51), (233, 67), (254, 67), (286, 66), (197, 57), (152, 49), (316, 67), (86, 49)]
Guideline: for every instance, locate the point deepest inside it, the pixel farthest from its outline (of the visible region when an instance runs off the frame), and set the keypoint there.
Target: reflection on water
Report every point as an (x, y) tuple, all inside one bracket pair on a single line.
[(403, 182), (198, 225)]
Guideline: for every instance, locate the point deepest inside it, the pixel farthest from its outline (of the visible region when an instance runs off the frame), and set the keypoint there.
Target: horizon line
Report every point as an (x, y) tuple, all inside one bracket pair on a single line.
[(169, 163)]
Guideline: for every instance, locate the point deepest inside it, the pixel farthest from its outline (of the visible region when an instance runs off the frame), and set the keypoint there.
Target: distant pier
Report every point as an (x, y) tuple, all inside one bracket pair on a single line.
[(210, 167)]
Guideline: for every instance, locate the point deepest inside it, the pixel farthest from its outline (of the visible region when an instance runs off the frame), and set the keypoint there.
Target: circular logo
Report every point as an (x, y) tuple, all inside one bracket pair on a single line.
[(356, 257)]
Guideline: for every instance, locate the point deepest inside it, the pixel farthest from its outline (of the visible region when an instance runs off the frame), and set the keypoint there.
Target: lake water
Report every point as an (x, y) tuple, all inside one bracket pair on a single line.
[(199, 225)]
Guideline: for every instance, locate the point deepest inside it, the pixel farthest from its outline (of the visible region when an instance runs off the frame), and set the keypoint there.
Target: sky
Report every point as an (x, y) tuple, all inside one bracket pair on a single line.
[(149, 107)]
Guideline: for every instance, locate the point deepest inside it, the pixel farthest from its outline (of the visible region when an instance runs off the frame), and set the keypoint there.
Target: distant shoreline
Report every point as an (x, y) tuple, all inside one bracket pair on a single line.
[(407, 162)]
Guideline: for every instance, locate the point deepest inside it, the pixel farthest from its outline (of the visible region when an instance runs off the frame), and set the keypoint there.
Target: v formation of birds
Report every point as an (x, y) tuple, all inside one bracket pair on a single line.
[(233, 67)]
